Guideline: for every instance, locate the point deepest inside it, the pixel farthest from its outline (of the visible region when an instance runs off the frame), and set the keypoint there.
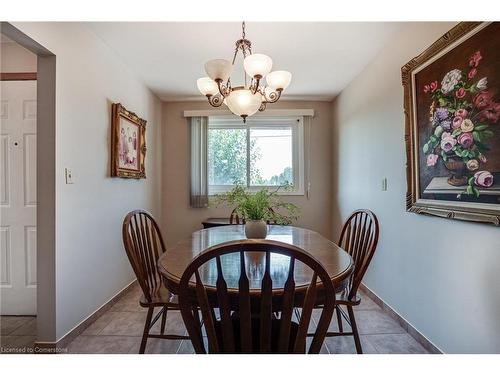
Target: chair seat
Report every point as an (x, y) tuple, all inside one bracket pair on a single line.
[(160, 297), (342, 299)]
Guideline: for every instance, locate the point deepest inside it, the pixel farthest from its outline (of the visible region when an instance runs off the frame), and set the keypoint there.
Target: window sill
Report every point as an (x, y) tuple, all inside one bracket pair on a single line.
[(300, 192)]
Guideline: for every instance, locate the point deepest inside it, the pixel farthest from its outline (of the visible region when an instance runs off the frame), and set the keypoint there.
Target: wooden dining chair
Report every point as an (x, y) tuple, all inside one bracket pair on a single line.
[(144, 245), (252, 320), (234, 218), (359, 238), (271, 221)]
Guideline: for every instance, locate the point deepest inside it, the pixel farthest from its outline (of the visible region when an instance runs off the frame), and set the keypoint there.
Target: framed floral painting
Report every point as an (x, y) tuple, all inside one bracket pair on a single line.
[(452, 110), (128, 143)]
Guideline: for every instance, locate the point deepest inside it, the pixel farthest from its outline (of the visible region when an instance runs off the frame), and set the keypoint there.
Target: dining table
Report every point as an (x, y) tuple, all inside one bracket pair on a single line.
[(337, 262)]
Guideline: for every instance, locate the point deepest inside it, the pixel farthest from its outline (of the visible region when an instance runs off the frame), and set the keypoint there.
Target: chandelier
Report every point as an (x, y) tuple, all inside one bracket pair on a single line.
[(244, 100)]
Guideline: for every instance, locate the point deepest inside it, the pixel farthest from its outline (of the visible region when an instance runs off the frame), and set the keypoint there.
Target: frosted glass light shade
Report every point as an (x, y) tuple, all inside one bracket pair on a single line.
[(207, 86), (279, 79), (243, 103), (257, 64), (219, 69)]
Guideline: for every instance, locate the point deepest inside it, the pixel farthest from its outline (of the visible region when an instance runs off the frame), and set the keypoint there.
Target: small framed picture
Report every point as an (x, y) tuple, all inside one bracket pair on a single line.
[(128, 143)]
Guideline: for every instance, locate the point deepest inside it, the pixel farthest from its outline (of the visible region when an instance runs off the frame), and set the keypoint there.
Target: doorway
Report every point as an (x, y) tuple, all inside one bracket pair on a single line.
[(18, 197), (33, 190)]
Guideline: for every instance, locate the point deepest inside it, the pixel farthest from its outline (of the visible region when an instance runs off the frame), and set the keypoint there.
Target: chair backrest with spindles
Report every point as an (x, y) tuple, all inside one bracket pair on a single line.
[(144, 245), (243, 326), (234, 218), (359, 238)]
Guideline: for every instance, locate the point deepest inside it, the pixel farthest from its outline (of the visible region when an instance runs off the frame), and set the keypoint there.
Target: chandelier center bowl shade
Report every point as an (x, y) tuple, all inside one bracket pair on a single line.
[(243, 100)]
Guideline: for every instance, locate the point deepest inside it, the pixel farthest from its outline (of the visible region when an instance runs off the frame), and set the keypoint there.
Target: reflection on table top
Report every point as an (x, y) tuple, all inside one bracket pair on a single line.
[(336, 261)]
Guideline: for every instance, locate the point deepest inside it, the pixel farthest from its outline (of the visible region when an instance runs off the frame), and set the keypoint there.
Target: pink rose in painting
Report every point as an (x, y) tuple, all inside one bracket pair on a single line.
[(460, 93), (462, 113), (432, 160), (483, 99), (447, 142), (491, 114), (483, 179), (466, 140), (472, 73), (457, 121), (474, 59), (431, 87), (446, 135)]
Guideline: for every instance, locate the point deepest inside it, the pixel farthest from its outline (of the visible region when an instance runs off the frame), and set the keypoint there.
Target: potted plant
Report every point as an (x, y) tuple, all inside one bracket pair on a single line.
[(259, 208)]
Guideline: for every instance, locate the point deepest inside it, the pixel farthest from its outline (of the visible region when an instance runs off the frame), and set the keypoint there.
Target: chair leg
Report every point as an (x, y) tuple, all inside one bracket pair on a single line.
[(354, 327), (339, 319), (163, 319), (146, 330)]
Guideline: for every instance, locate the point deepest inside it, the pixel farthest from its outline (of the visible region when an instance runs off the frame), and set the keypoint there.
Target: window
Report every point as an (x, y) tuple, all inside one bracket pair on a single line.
[(264, 152)]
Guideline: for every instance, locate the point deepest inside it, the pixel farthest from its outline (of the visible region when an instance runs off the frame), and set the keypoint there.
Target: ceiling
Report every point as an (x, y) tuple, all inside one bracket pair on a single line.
[(322, 56)]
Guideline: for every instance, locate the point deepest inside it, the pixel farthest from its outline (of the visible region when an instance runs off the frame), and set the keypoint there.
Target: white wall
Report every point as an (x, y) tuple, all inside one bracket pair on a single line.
[(443, 276), (91, 265), (16, 59)]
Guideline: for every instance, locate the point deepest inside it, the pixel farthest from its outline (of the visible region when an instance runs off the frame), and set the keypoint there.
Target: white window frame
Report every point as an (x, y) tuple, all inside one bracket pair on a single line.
[(297, 125)]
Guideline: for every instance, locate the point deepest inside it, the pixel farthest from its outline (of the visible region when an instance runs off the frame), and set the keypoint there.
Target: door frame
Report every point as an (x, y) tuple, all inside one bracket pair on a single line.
[(46, 184)]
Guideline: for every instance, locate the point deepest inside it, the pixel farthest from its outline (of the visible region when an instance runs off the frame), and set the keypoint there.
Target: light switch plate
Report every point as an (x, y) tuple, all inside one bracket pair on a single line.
[(384, 184), (69, 176)]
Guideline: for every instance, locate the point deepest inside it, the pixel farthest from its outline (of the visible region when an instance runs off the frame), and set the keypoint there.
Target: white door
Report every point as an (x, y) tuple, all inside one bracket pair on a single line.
[(18, 198)]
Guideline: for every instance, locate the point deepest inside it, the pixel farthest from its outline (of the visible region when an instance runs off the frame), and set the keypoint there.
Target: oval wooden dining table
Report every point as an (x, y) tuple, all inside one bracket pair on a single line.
[(336, 261)]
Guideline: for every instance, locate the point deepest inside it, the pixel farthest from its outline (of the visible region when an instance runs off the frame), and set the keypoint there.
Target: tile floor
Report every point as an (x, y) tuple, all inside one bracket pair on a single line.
[(119, 330), (17, 332)]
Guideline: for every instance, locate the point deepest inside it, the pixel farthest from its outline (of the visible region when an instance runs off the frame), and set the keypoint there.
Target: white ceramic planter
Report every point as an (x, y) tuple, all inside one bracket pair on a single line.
[(256, 229)]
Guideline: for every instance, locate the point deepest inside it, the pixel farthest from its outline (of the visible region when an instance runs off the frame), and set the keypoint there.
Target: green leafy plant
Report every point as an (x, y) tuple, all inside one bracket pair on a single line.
[(262, 205)]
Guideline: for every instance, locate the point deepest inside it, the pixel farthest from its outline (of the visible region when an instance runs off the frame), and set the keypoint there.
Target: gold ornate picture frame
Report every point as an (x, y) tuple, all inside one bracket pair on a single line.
[(452, 125), (128, 143)]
